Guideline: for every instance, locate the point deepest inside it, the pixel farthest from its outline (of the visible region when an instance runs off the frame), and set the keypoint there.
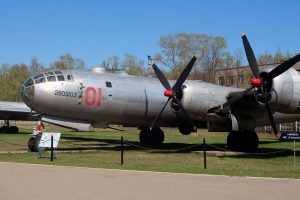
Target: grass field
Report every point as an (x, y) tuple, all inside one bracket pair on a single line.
[(101, 149)]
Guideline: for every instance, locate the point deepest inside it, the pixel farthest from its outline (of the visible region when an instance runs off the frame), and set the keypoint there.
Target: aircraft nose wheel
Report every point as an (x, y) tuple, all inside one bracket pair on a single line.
[(33, 143), (245, 141), (154, 137)]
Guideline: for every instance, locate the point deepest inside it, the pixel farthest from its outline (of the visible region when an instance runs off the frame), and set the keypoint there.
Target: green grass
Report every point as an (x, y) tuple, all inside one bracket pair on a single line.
[(103, 153)]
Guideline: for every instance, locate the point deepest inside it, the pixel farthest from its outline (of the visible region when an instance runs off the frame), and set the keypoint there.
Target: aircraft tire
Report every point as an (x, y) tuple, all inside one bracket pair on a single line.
[(184, 130), (232, 140), (33, 144), (252, 141), (154, 137), (158, 137), (144, 137)]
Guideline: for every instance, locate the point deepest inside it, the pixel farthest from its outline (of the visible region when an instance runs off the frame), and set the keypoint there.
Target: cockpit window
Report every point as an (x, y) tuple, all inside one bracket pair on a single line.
[(39, 76), (60, 78), (57, 72), (39, 79), (49, 74), (70, 78), (51, 79), (28, 83)]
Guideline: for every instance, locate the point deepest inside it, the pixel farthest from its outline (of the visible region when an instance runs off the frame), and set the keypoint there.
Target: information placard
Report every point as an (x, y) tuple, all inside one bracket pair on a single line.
[(290, 136), (46, 139)]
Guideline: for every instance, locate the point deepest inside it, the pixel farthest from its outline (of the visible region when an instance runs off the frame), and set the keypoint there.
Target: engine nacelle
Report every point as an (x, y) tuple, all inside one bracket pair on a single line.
[(199, 97), (285, 92)]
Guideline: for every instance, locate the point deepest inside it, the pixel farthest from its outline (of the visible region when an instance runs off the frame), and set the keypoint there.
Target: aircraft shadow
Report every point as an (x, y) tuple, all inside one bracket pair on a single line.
[(172, 147), (19, 133)]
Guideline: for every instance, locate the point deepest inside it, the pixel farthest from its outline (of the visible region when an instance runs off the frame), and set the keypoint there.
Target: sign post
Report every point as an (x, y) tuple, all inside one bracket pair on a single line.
[(52, 148), (294, 155), (204, 152), (291, 136)]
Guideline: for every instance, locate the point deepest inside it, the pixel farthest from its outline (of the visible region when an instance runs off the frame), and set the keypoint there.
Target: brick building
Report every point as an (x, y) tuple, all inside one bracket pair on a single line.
[(239, 76)]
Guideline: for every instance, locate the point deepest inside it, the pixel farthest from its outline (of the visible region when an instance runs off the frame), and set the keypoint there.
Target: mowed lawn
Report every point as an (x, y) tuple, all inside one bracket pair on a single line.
[(101, 149)]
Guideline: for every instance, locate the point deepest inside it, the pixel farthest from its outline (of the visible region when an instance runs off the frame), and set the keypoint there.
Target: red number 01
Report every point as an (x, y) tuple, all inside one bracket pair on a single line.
[(96, 98)]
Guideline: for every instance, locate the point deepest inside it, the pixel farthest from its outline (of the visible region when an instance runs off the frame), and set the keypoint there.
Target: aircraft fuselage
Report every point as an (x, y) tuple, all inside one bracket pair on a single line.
[(107, 98)]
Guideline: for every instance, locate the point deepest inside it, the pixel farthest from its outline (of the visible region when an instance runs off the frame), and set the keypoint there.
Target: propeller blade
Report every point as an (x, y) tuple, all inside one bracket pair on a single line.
[(158, 116), (250, 56), (282, 67), (190, 121), (164, 81), (237, 97), (270, 114), (184, 74)]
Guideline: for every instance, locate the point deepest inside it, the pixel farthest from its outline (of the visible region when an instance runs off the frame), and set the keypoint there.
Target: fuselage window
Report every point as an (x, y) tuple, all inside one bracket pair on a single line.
[(29, 82), (57, 72), (60, 78), (51, 79), (108, 84), (70, 78)]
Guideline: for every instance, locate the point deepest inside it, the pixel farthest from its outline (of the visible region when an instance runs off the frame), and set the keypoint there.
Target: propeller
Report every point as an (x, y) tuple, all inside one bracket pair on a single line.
[(171, 92), (261, 81)]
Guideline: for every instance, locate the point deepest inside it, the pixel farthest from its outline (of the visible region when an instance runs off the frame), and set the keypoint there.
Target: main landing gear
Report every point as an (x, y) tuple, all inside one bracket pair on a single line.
[(154, 137), (245, 141), (8, 129)]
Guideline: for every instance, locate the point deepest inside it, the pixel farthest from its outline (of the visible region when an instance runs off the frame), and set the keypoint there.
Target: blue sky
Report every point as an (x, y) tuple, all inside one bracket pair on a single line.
[(96, 30)]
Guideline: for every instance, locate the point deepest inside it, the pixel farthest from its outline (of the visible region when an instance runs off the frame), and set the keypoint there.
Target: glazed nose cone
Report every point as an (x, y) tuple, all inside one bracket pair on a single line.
[(27, 92)]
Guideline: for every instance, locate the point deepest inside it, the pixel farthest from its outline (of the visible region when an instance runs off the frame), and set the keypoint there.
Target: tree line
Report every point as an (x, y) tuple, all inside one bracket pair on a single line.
[(175, 52)]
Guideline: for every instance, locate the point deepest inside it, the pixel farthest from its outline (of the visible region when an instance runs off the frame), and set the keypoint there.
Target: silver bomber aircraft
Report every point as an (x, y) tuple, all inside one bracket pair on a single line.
[(79, 99)]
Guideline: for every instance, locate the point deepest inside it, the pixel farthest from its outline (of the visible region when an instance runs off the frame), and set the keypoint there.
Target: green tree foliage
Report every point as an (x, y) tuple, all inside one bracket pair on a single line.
[(213, 57), (178, 49), (130, 64), (133, 66), (111, 64), (4, 84), (238, 58), (66, 62), (267, 58), (11, 79), (35, 67)]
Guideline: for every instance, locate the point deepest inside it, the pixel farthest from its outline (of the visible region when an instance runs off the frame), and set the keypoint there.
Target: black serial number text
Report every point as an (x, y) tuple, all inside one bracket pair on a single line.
[(65, 93)]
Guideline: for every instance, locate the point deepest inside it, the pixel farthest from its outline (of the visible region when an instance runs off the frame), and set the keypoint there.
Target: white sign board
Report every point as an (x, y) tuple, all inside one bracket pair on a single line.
[(46, 139)]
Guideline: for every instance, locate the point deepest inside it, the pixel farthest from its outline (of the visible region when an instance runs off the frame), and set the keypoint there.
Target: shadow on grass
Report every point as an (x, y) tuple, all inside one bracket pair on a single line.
[(171, 147), (20, 133)]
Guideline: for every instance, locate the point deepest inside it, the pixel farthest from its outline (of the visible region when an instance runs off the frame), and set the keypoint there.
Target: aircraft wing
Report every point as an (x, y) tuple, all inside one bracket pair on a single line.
[(20, 111), (16, 111)]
